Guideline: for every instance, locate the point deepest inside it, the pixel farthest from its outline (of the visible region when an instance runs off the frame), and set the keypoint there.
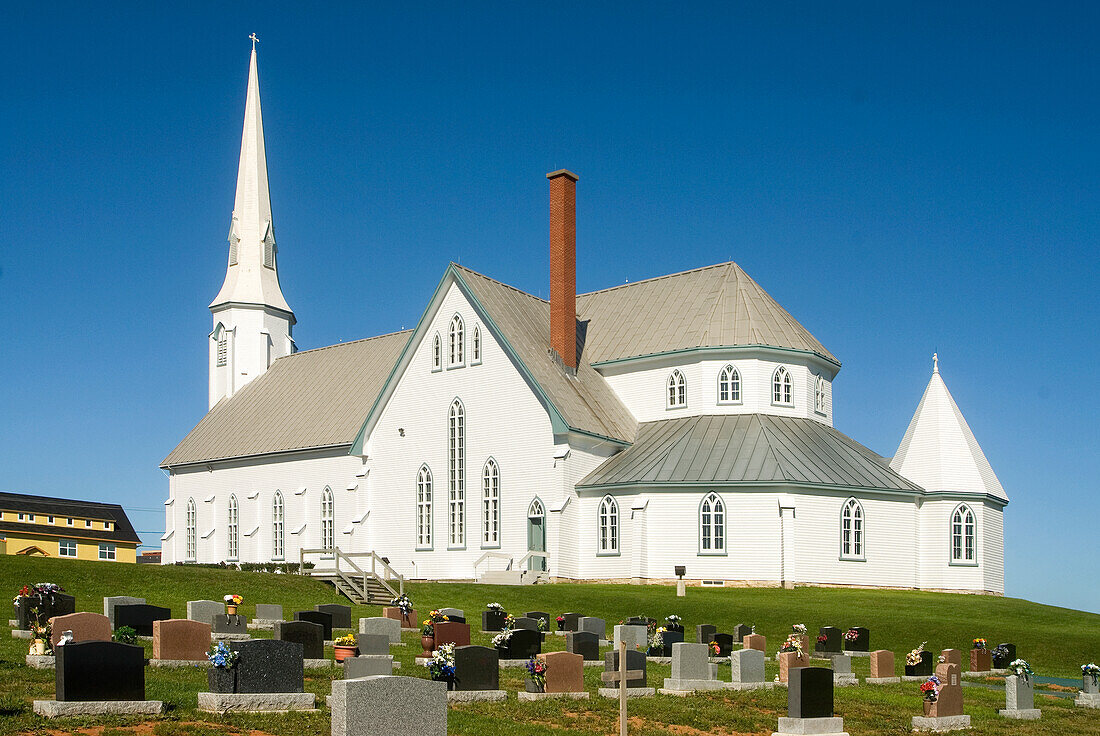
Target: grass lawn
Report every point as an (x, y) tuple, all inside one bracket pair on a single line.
[(1055, 640)]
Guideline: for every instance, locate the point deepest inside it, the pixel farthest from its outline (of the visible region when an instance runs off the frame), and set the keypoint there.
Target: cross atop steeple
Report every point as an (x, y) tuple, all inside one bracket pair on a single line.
[(254, 41), (935, 362)]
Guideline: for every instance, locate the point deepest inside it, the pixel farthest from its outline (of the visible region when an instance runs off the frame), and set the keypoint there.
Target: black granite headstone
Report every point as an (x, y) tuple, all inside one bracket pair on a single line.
[(224, 623), (1001, 662), (675, 627), (48, 606), (704, 633), (584, 643), (540, 614), (522, 644), (100, 670), (635, 660), (341, 615), (372, 644), (526, 622), (725, 644), (924, 669), (269, 666), (571, 622), (316, 617), (740, 631), (810, 692), (670, 638), (833, 637), (308, 635), (862, 642), (493, 620), (477, 668), (140, 617)]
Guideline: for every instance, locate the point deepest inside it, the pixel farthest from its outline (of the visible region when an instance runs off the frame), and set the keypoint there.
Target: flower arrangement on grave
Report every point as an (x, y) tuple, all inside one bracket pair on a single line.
[(442, 664), (979, 643), (344, 647), (821, 638), (434, 618), (536, 672), (1020, 668), (402, 602), (501, 640), (1091, 670), (494, 607), (125, 635), (793, 644), (851, 635), (674, 623), (716, 650), (37, 590), (799, 629), (657, 642), (999, 652), (220, 655), (231, 602), (41, 633), (913, 658), (542, 624), (509, 622), (673, 619), (930, 689), (561, 623)]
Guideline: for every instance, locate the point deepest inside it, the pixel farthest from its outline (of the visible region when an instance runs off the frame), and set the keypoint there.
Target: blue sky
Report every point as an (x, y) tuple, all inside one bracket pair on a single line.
[(903, 178)]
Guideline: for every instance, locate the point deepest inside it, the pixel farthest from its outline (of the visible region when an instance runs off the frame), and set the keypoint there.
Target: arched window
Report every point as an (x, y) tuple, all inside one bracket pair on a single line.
[(327, 520), (232, 529), (819, 395), (278, 547), (963, 536), (223, 345), (781, 387), (457, 340), (191, 552), (729, 386), (712, 525), (677, 390), (424, 508), (609, 526), (490, 504), (475, 346), (456, 450), (437, 353), (851, 530)]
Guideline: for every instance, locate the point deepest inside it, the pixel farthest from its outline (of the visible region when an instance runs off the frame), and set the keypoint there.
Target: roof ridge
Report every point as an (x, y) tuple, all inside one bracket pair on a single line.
[(499, 283), (658, 278), (342, 344), (28, 496)]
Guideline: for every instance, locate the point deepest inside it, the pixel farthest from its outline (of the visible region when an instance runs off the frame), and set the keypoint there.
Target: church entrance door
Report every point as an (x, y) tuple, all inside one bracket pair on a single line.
[(536, 535)]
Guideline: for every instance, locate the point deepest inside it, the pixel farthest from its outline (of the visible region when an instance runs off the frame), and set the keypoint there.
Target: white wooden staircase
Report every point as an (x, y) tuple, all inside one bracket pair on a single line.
[(375, 583), (508, 571)]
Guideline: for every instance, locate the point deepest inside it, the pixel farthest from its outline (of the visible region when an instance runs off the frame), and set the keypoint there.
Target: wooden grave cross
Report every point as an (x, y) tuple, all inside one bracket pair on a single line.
[(621, 677)]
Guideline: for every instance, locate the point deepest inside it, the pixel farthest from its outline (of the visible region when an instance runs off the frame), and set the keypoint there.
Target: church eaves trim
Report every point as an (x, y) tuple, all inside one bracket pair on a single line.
[(722, 350)]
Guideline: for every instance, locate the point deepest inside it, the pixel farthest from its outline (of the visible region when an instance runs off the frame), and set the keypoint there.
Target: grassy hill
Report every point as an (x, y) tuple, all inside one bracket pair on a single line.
[(1055, 640)]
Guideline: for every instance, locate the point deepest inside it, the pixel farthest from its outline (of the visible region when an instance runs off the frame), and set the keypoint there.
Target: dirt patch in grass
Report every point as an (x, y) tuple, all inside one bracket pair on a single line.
[(639, 722), (152, 728)]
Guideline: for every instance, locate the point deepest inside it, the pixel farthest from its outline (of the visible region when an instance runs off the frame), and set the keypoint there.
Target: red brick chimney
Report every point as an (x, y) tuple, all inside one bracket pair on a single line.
[(563, 265)]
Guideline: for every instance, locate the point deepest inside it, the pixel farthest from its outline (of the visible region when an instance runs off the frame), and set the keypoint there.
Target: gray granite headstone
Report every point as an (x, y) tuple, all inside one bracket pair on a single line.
[(583, 643), (269, 666), (704, 633), (477, 668), (341, 615), (740, 631), (842, 665), (454, 614), (316, 617), (633, 634), (747, 665), (366, 666), (100, 670), (593, 625), (306, 634), (390, 627), (109, 603), (269, 611), (1019, 693), (201, 611), (373, 643), (690, 661), (525, 622), (635, 660), (389, 706), (1090, 685)]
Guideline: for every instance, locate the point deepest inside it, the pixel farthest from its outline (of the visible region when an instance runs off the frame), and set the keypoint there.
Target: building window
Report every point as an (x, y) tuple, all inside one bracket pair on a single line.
[(106, 524), (21, 516), (437, 353), (609, 526), (269, 253), (475, 345), (87, 523), (458, 341), (712, 525), (490, 502), (327, 520), (851, 531), (190, 526), (66, 548), (106, 551), (233, 249), (677, 390), (223, 349), (819, 395), (424, 508), (50, 520), (456, 502), (232, 527), (729, 386), (781, 387), (69, 522), (963, 536), (278, 548)]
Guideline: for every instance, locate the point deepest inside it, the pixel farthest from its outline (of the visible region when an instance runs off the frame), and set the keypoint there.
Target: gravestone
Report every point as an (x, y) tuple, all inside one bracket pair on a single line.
[(593, 625), (951, 656), (181, 639), (1020, 699), (381, 625), (406, 620), (539, 615), (634, 635), (669, 638), (635, 660), (100, 670), (704, 633), (454, 614), (231, 624), (493, 620), (882, 664), (140, 617), (373, 644), (862, 641), (1089, 694), (564, 672), (924, 669), (269, 612), (316, 617), (476, 668), (725, 644), (84, 625), (109, 603), (789, 661), (341, 615), (389, 706), (980, 660), (48, 606), (523, 644), (755, 641), (1001, 661), (202, 611), (740, 631), (366, 666), (448, 632), (583, 643), (571, 622), (950, 700), (1090, 685), (691, 669), (306, 634), (747, 666), (832, 642), (810, 693), (525, 622), (269, 666), (842, 670)]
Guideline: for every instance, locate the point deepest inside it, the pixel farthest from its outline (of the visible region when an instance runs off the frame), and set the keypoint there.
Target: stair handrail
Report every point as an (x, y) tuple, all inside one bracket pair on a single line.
[(523, 560), (376, 561), (491, 554)]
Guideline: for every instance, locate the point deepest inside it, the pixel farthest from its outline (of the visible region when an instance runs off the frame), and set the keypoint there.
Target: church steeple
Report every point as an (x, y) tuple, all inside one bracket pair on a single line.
[(252, 321)]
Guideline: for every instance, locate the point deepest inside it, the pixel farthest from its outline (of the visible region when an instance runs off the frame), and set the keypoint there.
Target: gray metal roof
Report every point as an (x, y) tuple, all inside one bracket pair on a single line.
[(745, 449), (716, 306), (315, 398)]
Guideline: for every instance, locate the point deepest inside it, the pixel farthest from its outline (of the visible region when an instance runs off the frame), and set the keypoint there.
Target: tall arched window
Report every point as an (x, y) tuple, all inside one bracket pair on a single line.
[(963, 536), (475, 345), (191, 552), (232, 529), (609, 526), (456, 501), (457, 340), (437, 353), (278, 547), (729, 386), (677, 390), (851, 530), (819, 395), (424, 508), (712, 525), (781, 387), (490, 504), (327, 520)]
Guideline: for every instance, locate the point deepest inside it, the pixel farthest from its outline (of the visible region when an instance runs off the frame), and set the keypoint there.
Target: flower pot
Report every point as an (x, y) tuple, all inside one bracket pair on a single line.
[(343, 653), (533, 687), (428, 643), (927, 707), (231, 609), (449, 680), (40, 647), (222, 679)]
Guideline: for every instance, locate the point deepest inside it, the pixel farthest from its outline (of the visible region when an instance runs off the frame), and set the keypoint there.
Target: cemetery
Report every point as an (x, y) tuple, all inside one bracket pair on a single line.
[(690, 662)]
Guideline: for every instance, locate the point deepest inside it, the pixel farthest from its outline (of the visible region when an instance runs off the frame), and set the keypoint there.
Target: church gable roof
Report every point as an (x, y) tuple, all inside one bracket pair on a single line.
[(745, 449), (311, 399), (716, 306), (940, 452)]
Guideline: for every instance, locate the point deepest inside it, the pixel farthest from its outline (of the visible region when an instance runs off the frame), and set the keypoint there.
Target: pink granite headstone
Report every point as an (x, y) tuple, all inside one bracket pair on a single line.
[(86, 626)]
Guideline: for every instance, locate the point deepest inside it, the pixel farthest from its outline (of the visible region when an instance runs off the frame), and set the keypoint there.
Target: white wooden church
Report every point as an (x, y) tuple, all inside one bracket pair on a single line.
[(682, 420)]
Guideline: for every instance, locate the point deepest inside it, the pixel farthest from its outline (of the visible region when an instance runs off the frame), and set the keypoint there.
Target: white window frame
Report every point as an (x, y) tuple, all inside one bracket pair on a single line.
[(424, 508), (437, 353), (963, 536), (278, 527), (456, 499), (232, 529), (820, 399), (63, 544), (457, 333), (676, 390), (475, 346), (712, 525), (490, 505), (782, 387), (190, 522), (328, 519), (853, 531), (69, 522), (107, 551), (729, 380), (608, 529), (222, 352)]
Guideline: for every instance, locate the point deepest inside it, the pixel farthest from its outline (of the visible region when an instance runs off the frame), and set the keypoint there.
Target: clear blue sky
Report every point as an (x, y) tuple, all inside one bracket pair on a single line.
[(903, 178)]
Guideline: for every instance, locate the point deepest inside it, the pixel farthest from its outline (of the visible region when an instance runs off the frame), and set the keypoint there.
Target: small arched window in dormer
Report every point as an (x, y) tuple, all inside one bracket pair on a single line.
[(819, 395), (676, 390), (729, 386), (437, 353), (781, 387)]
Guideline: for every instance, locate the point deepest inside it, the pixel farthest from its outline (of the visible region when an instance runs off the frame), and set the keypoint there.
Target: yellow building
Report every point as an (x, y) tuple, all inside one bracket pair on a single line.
[(61, 527)]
